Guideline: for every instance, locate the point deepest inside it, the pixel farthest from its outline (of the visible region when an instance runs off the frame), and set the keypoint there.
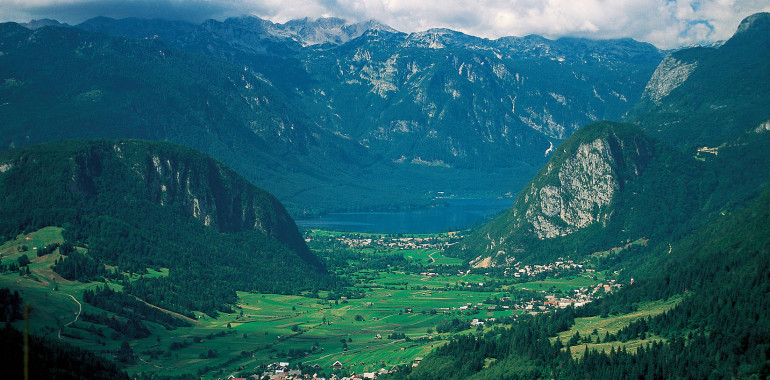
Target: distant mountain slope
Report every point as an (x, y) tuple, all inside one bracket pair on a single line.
[(607, 185), (437, 99), (445, 97), (707, 96), (497, 103), (64, 83), (138, 204)]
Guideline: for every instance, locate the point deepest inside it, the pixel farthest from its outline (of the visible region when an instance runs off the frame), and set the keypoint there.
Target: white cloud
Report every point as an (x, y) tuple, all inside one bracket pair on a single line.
[(665, 23)]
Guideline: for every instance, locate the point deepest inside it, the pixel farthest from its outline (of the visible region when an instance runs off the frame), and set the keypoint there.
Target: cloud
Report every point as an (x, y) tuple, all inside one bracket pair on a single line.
[(665, 23)]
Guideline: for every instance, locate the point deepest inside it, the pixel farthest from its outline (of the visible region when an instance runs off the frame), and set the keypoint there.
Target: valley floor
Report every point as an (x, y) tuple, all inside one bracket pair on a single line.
[(404, 300)]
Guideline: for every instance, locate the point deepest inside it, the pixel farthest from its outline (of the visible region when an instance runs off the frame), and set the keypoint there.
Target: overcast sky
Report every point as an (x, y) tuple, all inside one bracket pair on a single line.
[(664, 23)]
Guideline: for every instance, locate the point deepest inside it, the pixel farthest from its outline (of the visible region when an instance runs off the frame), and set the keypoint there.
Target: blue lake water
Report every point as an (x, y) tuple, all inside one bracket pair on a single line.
[(456, 215)]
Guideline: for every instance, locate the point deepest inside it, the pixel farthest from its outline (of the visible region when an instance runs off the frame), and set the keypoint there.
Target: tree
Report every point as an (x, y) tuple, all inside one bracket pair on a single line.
[(126, 353), (23, 260)]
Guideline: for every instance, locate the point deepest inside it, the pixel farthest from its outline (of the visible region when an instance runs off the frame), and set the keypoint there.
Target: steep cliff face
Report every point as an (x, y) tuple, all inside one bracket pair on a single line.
[(194, 184), (584, 186), (577, 187), (671, 73)]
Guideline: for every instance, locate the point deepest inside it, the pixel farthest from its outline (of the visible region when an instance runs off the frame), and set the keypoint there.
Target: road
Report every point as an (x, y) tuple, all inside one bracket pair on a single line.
[(80, 309)]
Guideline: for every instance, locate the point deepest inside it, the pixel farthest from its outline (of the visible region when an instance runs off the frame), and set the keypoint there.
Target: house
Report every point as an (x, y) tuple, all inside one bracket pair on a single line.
[(417, 361), (369, 375), (337, 365)]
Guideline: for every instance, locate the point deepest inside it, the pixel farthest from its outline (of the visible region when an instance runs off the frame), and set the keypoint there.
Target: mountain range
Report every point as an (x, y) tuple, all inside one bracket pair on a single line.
[(326, 115)]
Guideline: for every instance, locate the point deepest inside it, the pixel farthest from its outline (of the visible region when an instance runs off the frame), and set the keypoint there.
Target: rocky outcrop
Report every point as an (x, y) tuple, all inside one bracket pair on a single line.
[(580, 189), (585, 189), (669, 75), (576, 189)]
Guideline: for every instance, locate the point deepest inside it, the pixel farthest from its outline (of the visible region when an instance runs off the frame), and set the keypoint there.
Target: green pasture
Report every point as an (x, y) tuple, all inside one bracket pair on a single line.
[(612, 324), (564, 284)]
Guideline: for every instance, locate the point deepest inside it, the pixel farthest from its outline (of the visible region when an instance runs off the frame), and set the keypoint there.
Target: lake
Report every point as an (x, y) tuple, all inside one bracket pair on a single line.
[(456, 215)]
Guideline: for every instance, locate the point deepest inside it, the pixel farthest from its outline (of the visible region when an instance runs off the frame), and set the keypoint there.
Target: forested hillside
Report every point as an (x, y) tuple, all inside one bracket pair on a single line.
[(137, 205)]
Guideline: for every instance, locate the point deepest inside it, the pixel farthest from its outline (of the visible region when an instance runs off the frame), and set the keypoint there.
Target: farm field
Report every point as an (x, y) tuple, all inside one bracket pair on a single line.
[(394, 318), (612, 324)]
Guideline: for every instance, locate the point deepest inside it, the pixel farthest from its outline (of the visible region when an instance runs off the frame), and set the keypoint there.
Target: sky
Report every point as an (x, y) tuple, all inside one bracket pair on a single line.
[(666, 24)]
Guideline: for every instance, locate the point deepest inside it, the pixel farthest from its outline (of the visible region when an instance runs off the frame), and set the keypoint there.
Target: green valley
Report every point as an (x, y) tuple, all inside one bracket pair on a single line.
[(405, 300)]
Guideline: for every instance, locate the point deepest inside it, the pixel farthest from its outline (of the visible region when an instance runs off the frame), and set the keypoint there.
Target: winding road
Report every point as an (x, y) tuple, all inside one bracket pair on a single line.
[(80, 309)]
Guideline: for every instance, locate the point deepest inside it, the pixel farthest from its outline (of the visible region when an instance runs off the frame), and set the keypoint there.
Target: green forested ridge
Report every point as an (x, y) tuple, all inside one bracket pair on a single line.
[(137, 204), (725, 95)]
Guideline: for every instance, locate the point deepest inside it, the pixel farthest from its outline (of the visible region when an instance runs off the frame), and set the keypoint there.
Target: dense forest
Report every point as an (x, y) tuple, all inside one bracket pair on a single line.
[(139, 205)]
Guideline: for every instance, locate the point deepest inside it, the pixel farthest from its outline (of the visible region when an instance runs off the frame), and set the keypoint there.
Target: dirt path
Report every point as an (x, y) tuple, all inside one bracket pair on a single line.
[(180, 316), (80, 309)]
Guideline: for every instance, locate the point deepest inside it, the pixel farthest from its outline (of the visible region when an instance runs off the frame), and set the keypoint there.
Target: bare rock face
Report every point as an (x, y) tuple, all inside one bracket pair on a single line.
[(580, 188), (669, 75), (585, 189)]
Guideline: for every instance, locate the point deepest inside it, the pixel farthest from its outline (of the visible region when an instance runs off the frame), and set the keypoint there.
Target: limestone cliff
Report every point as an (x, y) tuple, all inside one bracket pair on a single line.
[(579, 188)]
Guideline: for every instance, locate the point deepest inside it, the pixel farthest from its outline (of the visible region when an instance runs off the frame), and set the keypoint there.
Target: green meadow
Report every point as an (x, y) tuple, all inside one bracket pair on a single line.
[(267, 328)]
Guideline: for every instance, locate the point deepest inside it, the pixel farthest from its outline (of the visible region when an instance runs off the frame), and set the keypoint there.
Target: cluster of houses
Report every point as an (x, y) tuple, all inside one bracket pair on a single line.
[(579, 297), (403, 242), (533, 270), (281, 371)]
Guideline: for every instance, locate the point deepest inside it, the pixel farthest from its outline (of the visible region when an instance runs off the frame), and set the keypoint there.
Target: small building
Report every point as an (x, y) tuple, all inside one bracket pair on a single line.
[(337, 365)]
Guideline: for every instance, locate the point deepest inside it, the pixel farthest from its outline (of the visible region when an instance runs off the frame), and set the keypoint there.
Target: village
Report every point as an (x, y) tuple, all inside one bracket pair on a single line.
[(286, 371), (395, 241)]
